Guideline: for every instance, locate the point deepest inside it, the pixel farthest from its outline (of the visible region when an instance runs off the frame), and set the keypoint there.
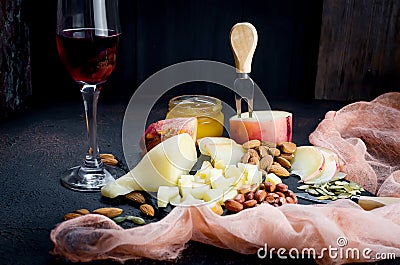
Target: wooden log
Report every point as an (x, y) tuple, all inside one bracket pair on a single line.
[(15, 72), (359, 53)]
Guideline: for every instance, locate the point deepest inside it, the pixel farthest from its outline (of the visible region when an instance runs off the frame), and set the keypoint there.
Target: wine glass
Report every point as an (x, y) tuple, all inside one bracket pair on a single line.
[(87, 36)]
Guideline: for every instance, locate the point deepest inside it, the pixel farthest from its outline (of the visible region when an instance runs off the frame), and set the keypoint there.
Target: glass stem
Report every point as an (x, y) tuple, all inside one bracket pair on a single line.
[(90, 95)]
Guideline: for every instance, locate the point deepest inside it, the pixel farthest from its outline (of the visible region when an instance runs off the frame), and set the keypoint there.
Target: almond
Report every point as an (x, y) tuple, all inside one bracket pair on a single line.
[(239, 198), (253, 153), (82, 211), (107, 156), (288, 147), (280, 171), (147, 209), (254, 161), (251, 144), (274, 151), (233, 206), (269, 187), (70, 216), (270, 199), (244, 189), (268, 144), (266, 162), (110, 161), (287, 156), (289, 200), (249, 203), (260, 195), (283, 161), (245, 158), (108, 211), (136, 197), (263, 150), (282, 187)]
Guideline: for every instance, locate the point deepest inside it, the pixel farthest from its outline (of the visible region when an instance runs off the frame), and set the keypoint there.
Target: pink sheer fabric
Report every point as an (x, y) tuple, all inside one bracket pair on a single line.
[(365, 135), (95, 237)]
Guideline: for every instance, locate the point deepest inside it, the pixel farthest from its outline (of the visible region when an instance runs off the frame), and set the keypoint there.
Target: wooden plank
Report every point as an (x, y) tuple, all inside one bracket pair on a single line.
[(359, 55), (15, 74)]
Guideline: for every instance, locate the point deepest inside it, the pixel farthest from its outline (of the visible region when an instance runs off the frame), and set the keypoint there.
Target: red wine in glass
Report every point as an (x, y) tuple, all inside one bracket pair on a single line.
[(88, 56), (87, 37)]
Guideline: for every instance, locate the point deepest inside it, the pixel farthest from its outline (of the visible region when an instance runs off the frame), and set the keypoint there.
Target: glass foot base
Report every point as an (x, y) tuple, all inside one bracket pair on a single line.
[(86, 179)]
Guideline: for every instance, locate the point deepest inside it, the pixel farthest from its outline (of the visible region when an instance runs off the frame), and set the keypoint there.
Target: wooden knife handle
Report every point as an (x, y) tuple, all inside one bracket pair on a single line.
[(244, 39), (369, 203)]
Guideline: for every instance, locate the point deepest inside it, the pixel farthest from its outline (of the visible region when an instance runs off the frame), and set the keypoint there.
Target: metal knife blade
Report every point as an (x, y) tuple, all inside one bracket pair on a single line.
[(196, 167)]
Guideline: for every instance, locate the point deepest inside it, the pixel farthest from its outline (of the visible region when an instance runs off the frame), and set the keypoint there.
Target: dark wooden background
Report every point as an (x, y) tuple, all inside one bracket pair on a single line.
[(159, 33), (324, 49), (359, 54)]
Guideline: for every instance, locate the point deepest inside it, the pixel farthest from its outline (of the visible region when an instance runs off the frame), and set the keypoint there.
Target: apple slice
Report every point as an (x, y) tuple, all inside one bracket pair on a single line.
[(330, 151), (329, 171), (327, 151), (308, 162)]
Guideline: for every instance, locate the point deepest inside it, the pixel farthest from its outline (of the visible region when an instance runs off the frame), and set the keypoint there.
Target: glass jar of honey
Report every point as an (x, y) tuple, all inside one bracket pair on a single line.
[(207, 110)]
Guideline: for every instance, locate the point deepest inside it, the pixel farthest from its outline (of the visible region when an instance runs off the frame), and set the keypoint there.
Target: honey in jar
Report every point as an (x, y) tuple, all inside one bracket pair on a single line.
[(207, 110)]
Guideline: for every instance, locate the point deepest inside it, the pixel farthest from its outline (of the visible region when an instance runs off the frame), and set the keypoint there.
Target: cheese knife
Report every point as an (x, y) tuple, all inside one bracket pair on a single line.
[(366, 202), (243, 38)]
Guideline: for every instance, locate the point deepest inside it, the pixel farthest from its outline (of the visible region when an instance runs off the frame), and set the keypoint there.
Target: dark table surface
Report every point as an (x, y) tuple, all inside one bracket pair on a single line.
[(42, 141)]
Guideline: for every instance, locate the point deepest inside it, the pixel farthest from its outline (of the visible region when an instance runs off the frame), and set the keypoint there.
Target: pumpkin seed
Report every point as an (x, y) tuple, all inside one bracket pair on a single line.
[(354, 185), (324, 197), (334, 189), (340, 183), (344, 195), (320, 191), (136, 220), (338, 177), (119, 219), (312, 191), (303, 187)]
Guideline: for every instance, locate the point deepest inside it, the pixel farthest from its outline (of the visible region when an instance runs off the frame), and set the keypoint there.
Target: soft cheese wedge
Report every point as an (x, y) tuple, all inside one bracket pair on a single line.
[(271, 126), (161, 166)]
